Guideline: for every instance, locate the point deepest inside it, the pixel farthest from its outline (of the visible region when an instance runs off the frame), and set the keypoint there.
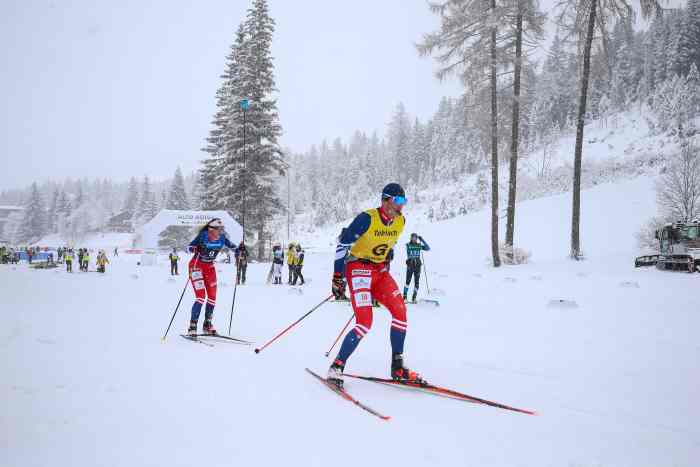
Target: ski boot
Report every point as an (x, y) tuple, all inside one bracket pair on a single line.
[(402, 374), (335, 374), (192, 330), (415, 295), (208, 328)]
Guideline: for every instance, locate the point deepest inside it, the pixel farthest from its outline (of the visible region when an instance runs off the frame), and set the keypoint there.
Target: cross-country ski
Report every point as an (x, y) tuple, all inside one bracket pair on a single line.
[(440, 391), (345, 395)]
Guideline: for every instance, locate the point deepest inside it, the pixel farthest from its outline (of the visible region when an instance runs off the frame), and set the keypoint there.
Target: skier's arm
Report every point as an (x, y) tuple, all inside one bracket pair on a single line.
[(424, 244), (194, 244), (348, 236)]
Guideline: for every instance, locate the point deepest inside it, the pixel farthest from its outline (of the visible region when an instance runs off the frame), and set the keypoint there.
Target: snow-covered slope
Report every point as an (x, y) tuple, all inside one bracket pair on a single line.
[(88, 382), (620, 147)]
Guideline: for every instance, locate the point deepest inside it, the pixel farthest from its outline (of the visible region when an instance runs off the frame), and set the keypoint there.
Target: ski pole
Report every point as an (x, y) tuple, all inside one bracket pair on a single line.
[(162, 339), (341, 333), (293, 324), (233, 303), (426, 273)]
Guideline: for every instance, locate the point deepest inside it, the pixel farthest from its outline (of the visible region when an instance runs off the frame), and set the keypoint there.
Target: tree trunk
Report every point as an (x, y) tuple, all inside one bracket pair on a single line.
[(576, 209), (494, 151), (510, 222), (261, 242)]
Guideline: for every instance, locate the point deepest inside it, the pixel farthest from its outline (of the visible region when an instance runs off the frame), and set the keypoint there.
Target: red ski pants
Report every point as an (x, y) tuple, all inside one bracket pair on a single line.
[(370, 280), (203, 278)]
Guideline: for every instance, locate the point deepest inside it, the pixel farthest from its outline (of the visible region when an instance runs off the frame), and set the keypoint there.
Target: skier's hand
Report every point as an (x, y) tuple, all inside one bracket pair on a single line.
[(421, 239), (338, 285)]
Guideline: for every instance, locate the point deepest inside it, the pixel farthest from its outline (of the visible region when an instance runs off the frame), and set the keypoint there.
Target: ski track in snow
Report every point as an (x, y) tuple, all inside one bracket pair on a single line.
[(615, 381)]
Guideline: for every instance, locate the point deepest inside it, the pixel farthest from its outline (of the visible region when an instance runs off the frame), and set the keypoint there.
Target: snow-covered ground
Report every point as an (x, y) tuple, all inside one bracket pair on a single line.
[(615, 380)]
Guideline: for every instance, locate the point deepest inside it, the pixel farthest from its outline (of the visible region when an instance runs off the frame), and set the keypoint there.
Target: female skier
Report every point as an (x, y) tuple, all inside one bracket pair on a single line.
[(205, 246)]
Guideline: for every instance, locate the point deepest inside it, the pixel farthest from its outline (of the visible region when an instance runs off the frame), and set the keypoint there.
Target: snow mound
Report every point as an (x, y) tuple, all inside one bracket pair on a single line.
[(562, 304), (437, 291)]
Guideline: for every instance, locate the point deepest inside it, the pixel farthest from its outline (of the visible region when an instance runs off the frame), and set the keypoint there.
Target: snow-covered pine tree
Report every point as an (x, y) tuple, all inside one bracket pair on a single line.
[(176, 236), (177, 198), (398, 141), (264, 155), (79, 198), (692, 32), (555, 84), (33, 226), (626, 67), (132, 199), (197, 190), (416, 154), (63, 212), (238, 178), (440, 141), (673, 103), (52, 214), (374, 161), (677, 58), (148, 206), (693, 84), (660, 32), (678, 188), (162, 200), (646, 81)]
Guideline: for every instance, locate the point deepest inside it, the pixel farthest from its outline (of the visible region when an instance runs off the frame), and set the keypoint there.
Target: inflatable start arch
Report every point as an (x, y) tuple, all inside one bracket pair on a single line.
[(148, 234)]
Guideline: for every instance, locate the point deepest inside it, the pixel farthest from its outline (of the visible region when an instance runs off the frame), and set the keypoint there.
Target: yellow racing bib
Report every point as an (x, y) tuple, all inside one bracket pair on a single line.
[(374, 245)]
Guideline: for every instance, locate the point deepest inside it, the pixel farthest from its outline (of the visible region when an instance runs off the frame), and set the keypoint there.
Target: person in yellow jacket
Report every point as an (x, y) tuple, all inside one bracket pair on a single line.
[(291, 259), (174, 258), (102, 261), (298, 264), (86, 260), (68, 257), (361, 259)]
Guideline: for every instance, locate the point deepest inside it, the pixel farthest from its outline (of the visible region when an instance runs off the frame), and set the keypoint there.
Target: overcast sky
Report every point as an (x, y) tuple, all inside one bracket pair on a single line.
[(114, 89)]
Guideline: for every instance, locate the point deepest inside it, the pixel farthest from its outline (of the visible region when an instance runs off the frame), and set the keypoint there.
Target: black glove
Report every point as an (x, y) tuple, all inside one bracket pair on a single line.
[(421, 239), (338, 285)]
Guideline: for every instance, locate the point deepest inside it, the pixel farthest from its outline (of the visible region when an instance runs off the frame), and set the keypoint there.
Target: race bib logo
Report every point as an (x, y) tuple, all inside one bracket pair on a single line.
[(359, 283), (380, 250), (198, 285), (196, 275), (361, 272), (363, 299)]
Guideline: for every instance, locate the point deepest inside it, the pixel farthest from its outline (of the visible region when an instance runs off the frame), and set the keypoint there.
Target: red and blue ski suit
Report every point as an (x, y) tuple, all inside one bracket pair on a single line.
[(203, 272), (362, 255)]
